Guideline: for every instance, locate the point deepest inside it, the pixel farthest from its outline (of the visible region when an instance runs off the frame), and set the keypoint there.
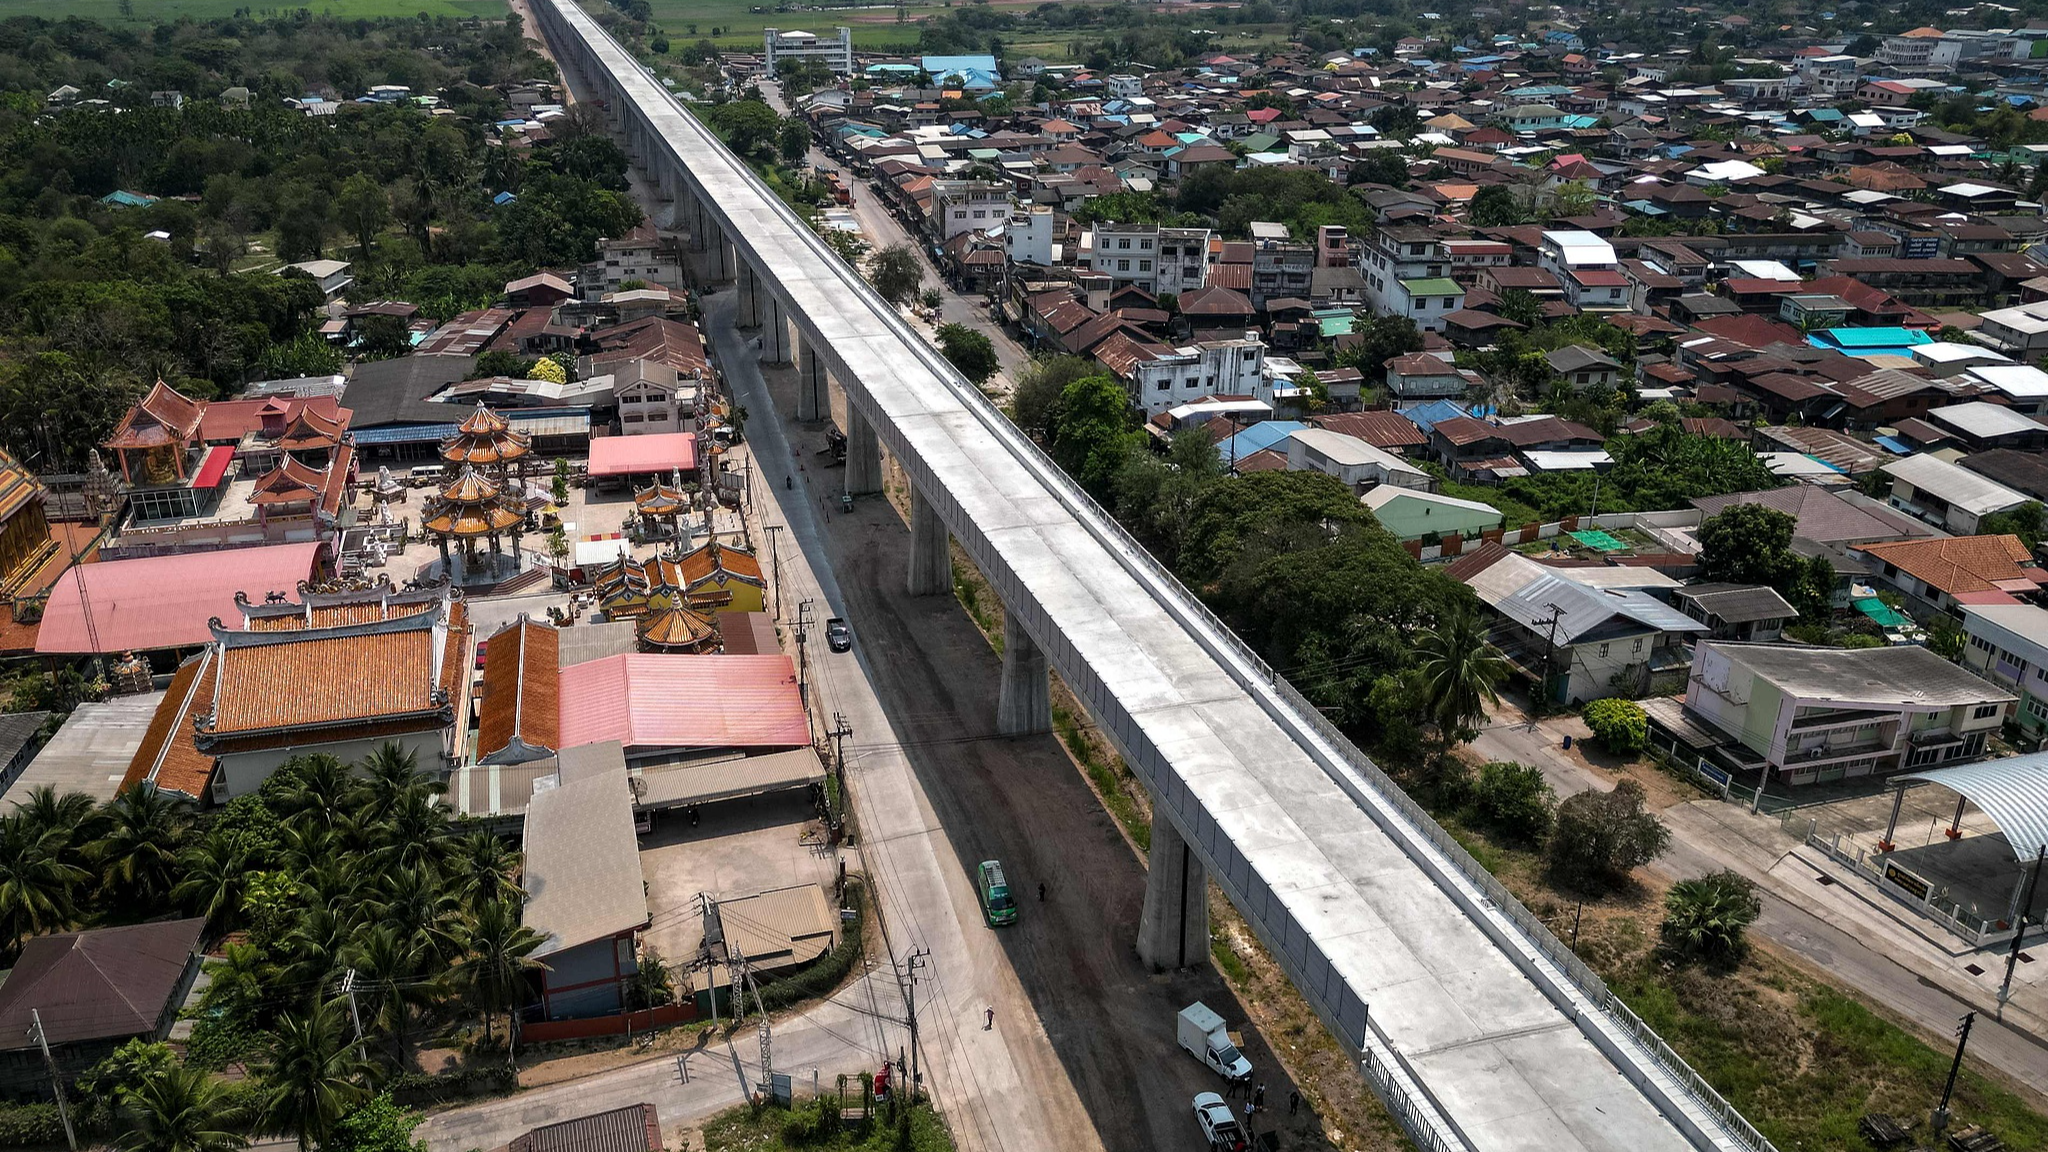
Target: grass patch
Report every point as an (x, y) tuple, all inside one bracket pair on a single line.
[(1227, 960), (142, 12), (814, 1126), (967, 588), (1107, 773)]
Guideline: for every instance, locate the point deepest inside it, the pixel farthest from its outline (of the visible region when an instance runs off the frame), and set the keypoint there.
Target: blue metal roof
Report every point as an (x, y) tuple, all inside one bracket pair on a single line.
[(1256, 438), (1426, 416)]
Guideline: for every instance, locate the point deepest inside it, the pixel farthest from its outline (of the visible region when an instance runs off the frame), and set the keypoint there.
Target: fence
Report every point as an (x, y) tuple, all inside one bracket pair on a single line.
[(1293, 711), (1905, 886), (624, 1024), (1661, 527)]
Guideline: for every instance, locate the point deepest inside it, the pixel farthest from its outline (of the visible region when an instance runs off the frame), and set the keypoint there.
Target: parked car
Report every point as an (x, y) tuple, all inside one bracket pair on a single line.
[(481, 646), (997, 906), (838, 636), (1219, 1126)]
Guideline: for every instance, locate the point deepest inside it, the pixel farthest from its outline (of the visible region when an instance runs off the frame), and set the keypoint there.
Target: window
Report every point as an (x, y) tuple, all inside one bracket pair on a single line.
[(1124, 243), (2037, 707), (1984, 711), (1603, 651), (1144, 265), (1584, 377), (1123, 265), (1638, 646), (959, 213), (1165, 384)]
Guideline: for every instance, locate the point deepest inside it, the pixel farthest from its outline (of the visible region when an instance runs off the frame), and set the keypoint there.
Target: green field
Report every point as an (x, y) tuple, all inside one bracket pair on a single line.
[(158, 11), (874, 26)]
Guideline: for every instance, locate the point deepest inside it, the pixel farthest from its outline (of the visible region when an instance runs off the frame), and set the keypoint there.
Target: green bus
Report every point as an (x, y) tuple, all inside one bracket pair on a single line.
[(996, 905)]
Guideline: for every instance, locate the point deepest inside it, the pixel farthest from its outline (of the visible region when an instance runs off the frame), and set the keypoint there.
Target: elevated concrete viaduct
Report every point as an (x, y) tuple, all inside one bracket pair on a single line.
[(1478, 1028)]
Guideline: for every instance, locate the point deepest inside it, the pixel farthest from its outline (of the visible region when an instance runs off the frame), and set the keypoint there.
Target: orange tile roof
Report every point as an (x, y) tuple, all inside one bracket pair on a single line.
[(168, 756), (311, 429), (18, 487), (163, 417), (1964, 563), (289, 483), (317, 680), (522, 694), (714, 559)]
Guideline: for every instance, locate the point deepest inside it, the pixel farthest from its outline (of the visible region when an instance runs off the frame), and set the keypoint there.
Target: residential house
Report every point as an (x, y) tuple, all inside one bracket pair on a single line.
[(1412, 512), (1358, 464), (2008, 645), (1418, 378), (1744, 612), (585, 895), (92, 992), (1815, 715), (1945, 495), (1583, 367), (1941, 574)]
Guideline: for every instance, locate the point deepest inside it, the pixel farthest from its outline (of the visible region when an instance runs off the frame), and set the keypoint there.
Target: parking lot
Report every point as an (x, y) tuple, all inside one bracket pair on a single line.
[(738, 848)]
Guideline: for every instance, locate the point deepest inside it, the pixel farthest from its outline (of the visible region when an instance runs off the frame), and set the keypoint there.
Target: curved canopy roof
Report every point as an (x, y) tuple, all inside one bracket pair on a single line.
[(2013, 792)]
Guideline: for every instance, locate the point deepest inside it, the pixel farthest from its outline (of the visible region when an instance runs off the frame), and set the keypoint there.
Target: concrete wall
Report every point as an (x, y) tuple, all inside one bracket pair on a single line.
[(244, 772)]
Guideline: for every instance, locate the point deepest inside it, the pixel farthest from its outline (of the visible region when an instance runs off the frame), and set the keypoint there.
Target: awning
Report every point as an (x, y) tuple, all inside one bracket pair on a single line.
[(1881, 612), (730, 779), (2013, 792), (214, 467)]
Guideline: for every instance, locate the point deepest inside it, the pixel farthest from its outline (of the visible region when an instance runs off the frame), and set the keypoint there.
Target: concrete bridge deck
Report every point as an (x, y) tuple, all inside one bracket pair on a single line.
[(1481, 1032)]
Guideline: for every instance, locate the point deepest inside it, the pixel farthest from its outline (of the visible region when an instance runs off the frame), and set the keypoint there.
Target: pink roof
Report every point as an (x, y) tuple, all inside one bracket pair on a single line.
[(646, 700), (642, 455), (165, 601)]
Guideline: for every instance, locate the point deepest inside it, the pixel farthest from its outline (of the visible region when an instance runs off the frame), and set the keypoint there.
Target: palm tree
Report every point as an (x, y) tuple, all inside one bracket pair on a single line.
[(138, 853), (416, 834), (181, 1109), (68, 813), (390, 967), (213, 874), (497, 957), (419, 906), (312, 1075), (481, 868), (242, 975), (36, 884), (1460, 672), (1707, 915), (392, 778), (316, 790), (315, 943)]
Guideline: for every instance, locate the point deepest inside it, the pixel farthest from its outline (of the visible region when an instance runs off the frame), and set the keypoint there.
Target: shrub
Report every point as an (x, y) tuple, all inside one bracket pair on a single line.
[(27, 1125), (1601, 836), (1514, 800), (1704, 918), (1621, 726)]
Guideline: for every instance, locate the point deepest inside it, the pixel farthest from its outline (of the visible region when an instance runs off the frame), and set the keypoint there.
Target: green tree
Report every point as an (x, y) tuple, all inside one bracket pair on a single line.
[(749, 126), (1092, 433), (181, 1109), (483, 868), (897, 273), (312, 1074), (1495, 206), (1514, 800), (1572, 198), (1752, 544), (1157, 496), (1461, 673), (1038, 389), (378, 1126), (795, 141), (138, 853), (212, 877), (1621, 726), (1380, 339), (972, 352), (364, 208), (2028, 522), (391, 966), (496, 959), (1600, 837), (1705, 918)]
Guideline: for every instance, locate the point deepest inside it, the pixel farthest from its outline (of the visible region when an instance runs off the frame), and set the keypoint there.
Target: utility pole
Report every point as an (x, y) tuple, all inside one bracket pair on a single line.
[(1549, 654), (348, 989), (2019, 928), (1940, 1118), (803, 679), (917, 960), (775, 569), (35, 1030)]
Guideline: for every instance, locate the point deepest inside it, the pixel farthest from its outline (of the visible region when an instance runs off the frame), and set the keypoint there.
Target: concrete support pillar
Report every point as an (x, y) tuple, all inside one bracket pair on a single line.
[(931, 560), (749, 287), (812, 382), (727, 260), (1173, 931), (694, 219), (863, 455), (1025, 705), (774, 327)]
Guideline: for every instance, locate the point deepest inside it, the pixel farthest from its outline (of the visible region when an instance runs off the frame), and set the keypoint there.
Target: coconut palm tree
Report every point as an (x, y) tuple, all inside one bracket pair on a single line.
[(497, 958), (391, 978), (71, 814), (312, 1074), (416, 834), (392, 779), (212, 877), (1460, 672), (181, 1109), (316, 789), (36, 884), (481, 868), (314, 944), (138, 852), (415, 902)]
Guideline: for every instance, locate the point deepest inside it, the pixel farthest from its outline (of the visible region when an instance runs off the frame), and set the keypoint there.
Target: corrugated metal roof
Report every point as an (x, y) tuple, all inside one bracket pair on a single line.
[(635, 455), (2013, 792), (730, 779), (647, 700), (582, 863), (1582, 609), (165, 601)]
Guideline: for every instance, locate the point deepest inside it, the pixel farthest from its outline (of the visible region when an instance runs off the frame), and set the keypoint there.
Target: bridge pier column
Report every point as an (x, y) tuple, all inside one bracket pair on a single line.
[(725, 260), (812, 382), (774, 326), (749, 287), (1173, 931), (931, 560), (1025, 705), (863, 455), (696, 221)]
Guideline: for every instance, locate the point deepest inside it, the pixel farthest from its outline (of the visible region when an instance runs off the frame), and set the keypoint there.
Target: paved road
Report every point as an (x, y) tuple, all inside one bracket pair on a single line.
[(1708, 836), (1082, 1055)]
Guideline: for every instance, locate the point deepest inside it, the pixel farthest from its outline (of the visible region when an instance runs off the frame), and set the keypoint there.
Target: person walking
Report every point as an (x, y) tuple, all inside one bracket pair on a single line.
[(1259, 1097), (1041, 893), (1293, 1100), (990, 1018)]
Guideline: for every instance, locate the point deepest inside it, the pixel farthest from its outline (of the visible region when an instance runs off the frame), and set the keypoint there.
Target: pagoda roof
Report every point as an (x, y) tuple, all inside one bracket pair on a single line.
[(162, 418), (289, 483), (471, 487), (310, 429), (660, 500), (469, 520), (485, 438), (675, 627)]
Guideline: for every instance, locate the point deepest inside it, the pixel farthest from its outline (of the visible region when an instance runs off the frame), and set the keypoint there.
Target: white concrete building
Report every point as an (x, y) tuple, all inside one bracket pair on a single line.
[(1161, 379), (1566, 250), (652, 397), (778, 46), (1945, 495), (960, 206), (1358, 464), (2020, 331), (1028, 237)]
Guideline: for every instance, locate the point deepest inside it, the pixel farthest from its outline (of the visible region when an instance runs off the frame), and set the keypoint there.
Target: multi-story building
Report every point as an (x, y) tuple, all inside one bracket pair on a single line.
[(1813, 715), (960, 206), (1160, 378), (635, 256), (2009, 647), (1183, 260), (1126, 253), (780, 47), (1397, 252), (1028, 236), (1573, 250), (1282, 268)]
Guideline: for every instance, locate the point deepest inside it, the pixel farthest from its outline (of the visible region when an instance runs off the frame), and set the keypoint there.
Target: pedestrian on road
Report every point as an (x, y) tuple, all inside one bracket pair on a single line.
[(1293, 1100), (1247, 1116), (990, 1021), (1259, 1097), (1041, 892)]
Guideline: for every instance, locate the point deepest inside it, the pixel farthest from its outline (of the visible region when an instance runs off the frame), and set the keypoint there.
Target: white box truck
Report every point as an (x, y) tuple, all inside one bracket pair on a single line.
[(1203, 1035)]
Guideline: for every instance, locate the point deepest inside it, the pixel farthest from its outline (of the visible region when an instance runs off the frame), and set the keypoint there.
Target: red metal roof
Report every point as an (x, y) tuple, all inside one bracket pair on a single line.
[(165, 601), (216, 466), (646, 700), (641, 455)]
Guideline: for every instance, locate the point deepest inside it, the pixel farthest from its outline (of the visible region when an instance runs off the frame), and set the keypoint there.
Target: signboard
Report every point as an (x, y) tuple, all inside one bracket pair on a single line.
[(778, 1088), (1720, 778), (1905, 881)]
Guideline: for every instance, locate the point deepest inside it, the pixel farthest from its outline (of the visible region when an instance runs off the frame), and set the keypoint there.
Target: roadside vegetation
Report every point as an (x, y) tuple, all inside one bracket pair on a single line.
[(816, 1125)]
